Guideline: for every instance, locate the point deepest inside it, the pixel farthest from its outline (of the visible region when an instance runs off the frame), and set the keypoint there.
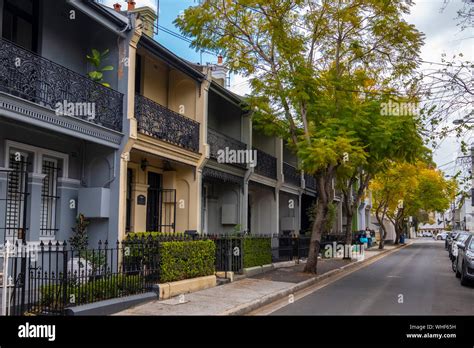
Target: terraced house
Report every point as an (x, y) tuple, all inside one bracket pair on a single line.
[(61, 133), (156, 143)]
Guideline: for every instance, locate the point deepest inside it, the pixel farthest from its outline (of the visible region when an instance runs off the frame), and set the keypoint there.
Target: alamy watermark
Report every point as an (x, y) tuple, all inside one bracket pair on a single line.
[(394, 108), (84, 110), (231, 156)]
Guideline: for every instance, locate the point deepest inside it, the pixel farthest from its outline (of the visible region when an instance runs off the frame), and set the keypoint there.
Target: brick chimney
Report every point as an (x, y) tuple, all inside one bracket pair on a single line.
[(149, 19), (219, 71)]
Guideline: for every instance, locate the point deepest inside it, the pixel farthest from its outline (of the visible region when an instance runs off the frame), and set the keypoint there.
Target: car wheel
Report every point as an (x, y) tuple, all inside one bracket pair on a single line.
[(453, 265), (464, 281)]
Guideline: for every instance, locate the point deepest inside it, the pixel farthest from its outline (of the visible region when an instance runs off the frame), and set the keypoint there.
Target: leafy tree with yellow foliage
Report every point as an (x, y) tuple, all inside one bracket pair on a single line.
[(407, 189)]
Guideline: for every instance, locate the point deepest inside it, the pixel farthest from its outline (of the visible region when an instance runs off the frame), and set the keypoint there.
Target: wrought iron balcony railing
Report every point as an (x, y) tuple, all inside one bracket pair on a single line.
[(219, 141), (292, 175), (31, 77), (165, 124), (266, 164), (310, 181)]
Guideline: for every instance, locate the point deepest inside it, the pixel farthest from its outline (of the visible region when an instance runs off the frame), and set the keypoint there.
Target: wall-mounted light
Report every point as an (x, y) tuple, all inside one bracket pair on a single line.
[(144, 164)]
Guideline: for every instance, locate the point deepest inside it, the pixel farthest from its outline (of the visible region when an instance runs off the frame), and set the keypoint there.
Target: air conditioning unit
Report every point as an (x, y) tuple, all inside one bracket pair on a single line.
[(94, 202)]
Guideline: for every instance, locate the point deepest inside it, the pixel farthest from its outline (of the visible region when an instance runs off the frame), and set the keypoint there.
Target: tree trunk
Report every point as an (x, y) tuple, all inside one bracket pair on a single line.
[(349, 216), (322, 210)]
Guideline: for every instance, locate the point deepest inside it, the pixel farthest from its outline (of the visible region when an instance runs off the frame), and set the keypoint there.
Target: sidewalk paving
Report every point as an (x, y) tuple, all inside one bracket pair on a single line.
[(235, 297)]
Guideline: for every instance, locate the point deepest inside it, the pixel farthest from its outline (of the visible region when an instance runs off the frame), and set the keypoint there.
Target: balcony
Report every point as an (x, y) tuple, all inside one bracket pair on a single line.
[(162, 123), (291, 174), (266, 164), (219, 141), (26, 75), (310, 181)]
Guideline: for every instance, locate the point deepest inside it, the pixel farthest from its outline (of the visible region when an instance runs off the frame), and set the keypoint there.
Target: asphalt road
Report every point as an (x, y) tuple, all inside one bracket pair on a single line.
[(416, 280)]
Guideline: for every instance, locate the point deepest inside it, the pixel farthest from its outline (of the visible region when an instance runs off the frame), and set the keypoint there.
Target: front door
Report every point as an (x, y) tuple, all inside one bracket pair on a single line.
[(153, 213)]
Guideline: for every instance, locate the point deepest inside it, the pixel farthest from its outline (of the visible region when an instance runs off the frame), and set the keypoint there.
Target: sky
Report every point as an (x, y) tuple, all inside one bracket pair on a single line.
[(435, 18)]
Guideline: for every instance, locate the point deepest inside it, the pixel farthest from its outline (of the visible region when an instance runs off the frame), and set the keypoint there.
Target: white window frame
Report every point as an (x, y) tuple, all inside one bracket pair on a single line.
[(53, 208), (38, 154)]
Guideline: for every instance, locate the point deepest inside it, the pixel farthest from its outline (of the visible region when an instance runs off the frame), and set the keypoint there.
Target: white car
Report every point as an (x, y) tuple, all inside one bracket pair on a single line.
[(427, 234), (441, 235)]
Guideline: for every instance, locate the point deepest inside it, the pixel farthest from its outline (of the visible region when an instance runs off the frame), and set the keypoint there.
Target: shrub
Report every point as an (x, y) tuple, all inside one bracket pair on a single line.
[(96, 290), (186, 259), (257, 251)]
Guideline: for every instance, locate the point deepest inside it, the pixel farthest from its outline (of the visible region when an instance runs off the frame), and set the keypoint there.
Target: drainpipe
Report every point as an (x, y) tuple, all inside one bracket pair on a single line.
[(205, 157)]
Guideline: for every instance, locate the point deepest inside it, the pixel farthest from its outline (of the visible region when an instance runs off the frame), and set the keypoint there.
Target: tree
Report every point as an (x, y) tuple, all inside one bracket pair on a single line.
[(79, 238), (383, 137), (409, 189), (306, 61)]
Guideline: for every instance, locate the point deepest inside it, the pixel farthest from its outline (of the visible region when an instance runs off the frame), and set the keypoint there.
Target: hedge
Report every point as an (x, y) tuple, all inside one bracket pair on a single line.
[(96, 290), (257, 251), (186, 259)]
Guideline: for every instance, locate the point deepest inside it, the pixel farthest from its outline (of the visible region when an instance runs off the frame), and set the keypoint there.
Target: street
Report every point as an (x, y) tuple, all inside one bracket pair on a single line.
[(416, 280)]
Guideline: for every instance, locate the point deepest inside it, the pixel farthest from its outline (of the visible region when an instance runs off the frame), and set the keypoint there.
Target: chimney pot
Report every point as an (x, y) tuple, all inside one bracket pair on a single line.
[(131, 5), (117, 7)]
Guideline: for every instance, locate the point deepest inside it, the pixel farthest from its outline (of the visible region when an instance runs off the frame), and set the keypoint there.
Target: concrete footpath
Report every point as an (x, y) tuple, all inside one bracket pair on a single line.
[(246, 295)]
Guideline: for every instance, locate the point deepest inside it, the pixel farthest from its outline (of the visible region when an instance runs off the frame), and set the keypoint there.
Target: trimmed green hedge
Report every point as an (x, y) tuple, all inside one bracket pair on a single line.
[(257, 251), (186, 259), (92, 291)]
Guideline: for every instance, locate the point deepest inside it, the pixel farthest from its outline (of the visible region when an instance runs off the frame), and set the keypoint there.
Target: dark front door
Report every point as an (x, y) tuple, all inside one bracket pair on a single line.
[(153, 213)]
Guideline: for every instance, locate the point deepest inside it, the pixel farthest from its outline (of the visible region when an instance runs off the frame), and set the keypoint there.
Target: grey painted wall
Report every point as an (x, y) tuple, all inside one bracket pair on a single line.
[(287, 199), (67, 41), (289, 157), (218, 195), (264, 142), (224, 117)]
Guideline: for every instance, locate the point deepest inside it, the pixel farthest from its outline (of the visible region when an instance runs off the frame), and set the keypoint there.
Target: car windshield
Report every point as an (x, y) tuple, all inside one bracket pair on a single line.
[(471, 245), (462, 237)]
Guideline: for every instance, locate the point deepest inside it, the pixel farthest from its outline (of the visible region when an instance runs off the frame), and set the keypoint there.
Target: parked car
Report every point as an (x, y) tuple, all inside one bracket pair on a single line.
[(441, 235), (450, 239), (460, 238), (427, 234), (465, 260)]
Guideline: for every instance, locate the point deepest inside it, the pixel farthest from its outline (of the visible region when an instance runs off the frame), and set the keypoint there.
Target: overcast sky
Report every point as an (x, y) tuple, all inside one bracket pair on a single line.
[(440, 27)]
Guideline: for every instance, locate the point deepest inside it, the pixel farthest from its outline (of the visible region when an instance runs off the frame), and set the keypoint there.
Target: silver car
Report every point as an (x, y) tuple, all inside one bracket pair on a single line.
[(465, 260)]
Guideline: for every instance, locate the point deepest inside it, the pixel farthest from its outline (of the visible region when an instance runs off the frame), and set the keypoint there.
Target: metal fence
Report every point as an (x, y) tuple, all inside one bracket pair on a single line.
[(47, 279)]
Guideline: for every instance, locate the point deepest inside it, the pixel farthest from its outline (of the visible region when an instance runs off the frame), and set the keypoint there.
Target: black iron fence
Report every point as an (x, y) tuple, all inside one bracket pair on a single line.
[(29, 76), (266, 164), (229, 253), (219, 142), (291, 174), (289, 248), (160, 122), (47, 279)]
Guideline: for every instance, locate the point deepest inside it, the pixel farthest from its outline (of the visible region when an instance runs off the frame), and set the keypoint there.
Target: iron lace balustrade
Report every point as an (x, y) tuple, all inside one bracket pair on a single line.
[(266, 164), (162, 123), (31, 77), (219, 141), (310, 181), (292, 175)]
